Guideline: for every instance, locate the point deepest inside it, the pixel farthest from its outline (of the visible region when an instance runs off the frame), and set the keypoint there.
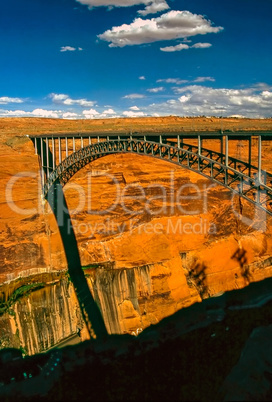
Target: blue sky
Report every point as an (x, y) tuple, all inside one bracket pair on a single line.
[(126, 58)]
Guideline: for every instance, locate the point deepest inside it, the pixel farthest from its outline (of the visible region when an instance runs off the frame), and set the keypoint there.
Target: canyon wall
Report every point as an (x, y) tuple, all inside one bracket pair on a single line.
[(152, 239)]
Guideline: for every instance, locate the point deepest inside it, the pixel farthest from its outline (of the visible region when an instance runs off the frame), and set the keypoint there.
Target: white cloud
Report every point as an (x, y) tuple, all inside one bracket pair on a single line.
[(45, 113), (198, 100), (67, 49), (178, 81), (134, 96), (155, 7), (171, 25), (90, 114), (130, 113), (35, 113), (176, 48), (70, 49), (203, 79), (183, 46), (109, 111), (173, 81), (70, 115), (201, 45), (63, 99), (4, 100), (134, 108), (156, 90), (152, 6), (142, 77)]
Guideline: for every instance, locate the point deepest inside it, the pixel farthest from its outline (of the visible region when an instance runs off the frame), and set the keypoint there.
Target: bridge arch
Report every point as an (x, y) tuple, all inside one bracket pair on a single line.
[(238, 176)]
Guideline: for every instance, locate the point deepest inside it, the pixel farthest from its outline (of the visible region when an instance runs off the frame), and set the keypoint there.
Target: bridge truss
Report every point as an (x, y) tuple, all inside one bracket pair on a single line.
[(62, 155)]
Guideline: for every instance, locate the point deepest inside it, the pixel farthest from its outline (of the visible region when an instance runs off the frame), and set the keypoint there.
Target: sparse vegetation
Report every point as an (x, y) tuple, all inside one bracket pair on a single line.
[(17, 294)]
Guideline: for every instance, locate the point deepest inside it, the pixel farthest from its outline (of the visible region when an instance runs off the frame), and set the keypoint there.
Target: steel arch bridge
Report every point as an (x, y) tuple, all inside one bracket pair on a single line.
[(61, 156)]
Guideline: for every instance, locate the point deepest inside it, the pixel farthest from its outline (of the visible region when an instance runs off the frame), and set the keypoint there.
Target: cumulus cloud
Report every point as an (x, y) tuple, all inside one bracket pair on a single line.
[(156, 90), (90, 114), (134, 96), (178, 81), (151, 6), (134, 108), (35, 113), (169, 26), (70, 49), (176, 48), (94, 114), (198, 100), (63, 99), (70, 115), (130, 113), (183, 46), (4, 100), (109, 111), (203, 79), (172, 81), (142, 77), (201, 45), (155, 7)]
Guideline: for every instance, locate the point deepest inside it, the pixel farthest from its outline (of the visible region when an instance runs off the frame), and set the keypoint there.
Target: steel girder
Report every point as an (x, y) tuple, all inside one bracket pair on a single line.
[(209, 164)]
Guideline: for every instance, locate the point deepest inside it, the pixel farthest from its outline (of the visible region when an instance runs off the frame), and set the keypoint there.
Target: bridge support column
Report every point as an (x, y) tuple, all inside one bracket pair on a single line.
[(90, 141), (199, 149), (178, 141), (35, 144), (74, 144), (160, 139), (260, 158), (249, 156), (47, 157), (42, 161), (226, 158), (59, 150), (227, 150), (66, 146), (53, 153)]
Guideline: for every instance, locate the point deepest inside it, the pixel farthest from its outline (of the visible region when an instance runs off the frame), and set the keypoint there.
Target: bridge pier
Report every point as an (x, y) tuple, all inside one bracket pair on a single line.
[(227, 150), (260, 158), (226, 158), (66, 147), (47, 157), (59, 150), (249, 155), (35, 146), (53, 153)]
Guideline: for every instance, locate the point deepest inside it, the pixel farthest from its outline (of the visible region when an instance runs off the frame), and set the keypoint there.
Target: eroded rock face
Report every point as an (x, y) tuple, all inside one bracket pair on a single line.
[(42, 319), (169, 236)]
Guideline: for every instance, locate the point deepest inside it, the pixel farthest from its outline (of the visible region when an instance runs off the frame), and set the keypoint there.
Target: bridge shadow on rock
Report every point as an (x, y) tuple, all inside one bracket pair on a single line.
[(55, 197), (90, 310)]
